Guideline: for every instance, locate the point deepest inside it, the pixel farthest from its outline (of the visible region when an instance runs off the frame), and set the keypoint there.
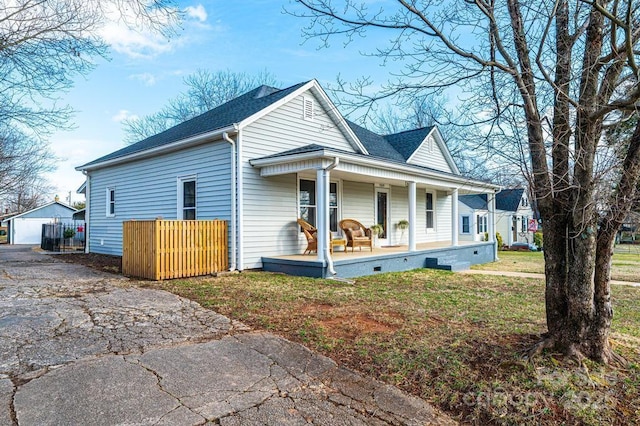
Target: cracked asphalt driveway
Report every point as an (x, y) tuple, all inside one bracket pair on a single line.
[(80, 347)]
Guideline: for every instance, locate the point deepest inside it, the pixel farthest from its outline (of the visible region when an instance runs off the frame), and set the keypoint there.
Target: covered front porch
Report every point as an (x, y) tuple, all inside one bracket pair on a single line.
[(336, 185), (347, 264)]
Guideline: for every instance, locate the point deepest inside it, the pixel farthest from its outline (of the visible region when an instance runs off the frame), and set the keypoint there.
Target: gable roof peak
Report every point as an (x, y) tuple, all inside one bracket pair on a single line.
[(264, 90)]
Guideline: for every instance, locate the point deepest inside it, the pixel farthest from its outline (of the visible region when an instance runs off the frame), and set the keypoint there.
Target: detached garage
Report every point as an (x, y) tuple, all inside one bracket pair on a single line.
[(26, 228)]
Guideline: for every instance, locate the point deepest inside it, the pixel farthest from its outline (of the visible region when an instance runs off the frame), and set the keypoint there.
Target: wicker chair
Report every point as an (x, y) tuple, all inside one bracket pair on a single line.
[(310, 233), (357, 235)]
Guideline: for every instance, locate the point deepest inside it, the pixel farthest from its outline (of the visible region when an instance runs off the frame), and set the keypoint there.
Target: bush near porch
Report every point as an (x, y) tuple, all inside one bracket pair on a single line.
[(455, 340)]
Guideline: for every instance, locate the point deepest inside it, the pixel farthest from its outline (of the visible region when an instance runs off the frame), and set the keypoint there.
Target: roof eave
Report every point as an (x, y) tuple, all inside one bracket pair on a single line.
[(180, 144)]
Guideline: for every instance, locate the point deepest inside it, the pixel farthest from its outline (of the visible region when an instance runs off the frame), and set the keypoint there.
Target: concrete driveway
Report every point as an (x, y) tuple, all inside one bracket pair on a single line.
[(79, 347)]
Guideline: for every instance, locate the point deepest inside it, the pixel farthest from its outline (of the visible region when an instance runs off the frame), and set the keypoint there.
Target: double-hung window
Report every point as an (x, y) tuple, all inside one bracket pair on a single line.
[(481, 224), (187, 198), (308, 207), (111, 202), (465, 224), (430, 211), (524, 223)]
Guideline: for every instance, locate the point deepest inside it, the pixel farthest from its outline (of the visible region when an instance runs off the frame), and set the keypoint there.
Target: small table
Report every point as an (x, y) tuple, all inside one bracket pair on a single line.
[(338, 242)]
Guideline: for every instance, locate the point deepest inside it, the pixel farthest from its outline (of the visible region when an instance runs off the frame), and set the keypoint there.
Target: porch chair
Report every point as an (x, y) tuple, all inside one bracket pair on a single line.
[(310, 233), (357, 235)]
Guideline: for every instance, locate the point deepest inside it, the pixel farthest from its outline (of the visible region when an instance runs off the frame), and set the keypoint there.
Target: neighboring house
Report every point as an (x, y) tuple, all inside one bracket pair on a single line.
[(515, 220), (26, 228), (474, 217), (271, 156)]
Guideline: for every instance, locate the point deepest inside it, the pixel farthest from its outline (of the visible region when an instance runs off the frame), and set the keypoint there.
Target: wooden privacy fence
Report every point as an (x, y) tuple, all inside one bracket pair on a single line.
[(166, 249)]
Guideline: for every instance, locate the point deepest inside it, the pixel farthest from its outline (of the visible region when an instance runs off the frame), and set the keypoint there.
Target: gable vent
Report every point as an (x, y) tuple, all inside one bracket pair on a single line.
[(307, 108)]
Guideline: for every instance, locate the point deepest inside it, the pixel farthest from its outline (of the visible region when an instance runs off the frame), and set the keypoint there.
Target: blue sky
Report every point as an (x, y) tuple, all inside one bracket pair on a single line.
[(145, 71)]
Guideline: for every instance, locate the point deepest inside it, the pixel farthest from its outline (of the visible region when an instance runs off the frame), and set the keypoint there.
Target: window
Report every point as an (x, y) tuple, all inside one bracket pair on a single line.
[(187, 198), (111, 202), (481, 224), (308, 207), (523, 224), (465, 224), (430, 211)]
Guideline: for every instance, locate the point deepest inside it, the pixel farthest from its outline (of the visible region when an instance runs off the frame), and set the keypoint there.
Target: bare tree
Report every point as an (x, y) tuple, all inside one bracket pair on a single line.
[(44, 44), (205, 90), (23, 161), (565, 68)]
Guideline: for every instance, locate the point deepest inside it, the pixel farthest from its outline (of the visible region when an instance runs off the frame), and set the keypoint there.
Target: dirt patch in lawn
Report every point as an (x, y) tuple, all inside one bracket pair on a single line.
[(350, 327), (101, 262)]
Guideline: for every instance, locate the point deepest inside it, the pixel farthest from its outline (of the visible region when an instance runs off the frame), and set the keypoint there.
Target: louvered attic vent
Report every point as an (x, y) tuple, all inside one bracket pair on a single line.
[(307, 106)]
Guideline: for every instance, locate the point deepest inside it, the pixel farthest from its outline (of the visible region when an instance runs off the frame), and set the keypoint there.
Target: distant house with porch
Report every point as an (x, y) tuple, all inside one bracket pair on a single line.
[(515, 218), (271, 156)]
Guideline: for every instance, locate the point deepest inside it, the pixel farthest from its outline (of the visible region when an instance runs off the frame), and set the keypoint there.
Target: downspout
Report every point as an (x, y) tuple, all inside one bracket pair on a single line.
[(327, 251), (240, 198), (226, 137), (87, 210)]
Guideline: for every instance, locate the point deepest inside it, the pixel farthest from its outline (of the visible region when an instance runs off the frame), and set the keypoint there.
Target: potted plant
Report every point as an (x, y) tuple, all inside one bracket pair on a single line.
[(376, 229), (402, 225)]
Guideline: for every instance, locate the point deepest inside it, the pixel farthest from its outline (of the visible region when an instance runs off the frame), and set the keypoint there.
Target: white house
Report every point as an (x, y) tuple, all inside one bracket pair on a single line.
[(515, 220), (271, 156), (26, 228)]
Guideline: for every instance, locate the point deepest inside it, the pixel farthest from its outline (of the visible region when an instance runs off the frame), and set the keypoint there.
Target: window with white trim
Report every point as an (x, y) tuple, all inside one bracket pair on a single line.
[(430, 211), (465, 224), (524, 223), (481, 224), (111, 202), (308, 207), (187, 200)]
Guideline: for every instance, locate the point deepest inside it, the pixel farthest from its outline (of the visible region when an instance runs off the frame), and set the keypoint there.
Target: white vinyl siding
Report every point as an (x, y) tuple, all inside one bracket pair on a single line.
[(358, 202), (146, 189), (433, 158)]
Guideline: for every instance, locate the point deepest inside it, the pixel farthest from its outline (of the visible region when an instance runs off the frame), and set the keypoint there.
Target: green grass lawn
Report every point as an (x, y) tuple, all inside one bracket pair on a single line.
[(625, 263), (455, 340)]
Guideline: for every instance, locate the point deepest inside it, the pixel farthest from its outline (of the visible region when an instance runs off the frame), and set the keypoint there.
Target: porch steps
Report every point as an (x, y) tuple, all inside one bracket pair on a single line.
[(447, 264)]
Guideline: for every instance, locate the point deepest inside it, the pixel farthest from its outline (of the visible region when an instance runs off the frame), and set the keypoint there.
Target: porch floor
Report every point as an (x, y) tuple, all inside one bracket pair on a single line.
[(363, 252), (360, 262)]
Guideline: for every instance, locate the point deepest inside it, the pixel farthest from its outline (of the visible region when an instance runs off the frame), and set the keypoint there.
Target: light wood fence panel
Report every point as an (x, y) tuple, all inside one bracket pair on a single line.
[(166, 249)]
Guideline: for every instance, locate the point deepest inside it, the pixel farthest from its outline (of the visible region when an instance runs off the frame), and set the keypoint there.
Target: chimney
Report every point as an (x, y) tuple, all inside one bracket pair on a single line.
[(56, 199)]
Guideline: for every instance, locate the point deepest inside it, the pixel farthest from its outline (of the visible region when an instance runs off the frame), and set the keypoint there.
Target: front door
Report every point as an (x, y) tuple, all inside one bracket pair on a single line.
[(382, 214)]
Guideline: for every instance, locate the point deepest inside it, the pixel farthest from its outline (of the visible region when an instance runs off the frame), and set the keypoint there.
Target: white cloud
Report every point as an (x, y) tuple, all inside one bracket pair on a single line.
[(135, 43), (122, 115), (147, 78), (198, 12)]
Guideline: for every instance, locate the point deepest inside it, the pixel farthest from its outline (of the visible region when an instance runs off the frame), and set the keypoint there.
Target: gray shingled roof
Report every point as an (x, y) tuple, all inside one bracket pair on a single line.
[(407, 142), (474, 201), (220, 117), (375, 144), (509, 199)]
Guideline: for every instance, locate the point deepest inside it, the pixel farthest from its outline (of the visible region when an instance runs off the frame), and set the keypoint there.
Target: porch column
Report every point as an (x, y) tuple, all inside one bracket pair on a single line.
[(412, 216), (492, 223), (454, 217), (321, 214)]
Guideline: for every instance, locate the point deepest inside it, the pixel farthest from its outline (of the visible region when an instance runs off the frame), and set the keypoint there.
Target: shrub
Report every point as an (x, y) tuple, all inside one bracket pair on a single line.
[(499, 240), (537, 239), (69, 233)]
